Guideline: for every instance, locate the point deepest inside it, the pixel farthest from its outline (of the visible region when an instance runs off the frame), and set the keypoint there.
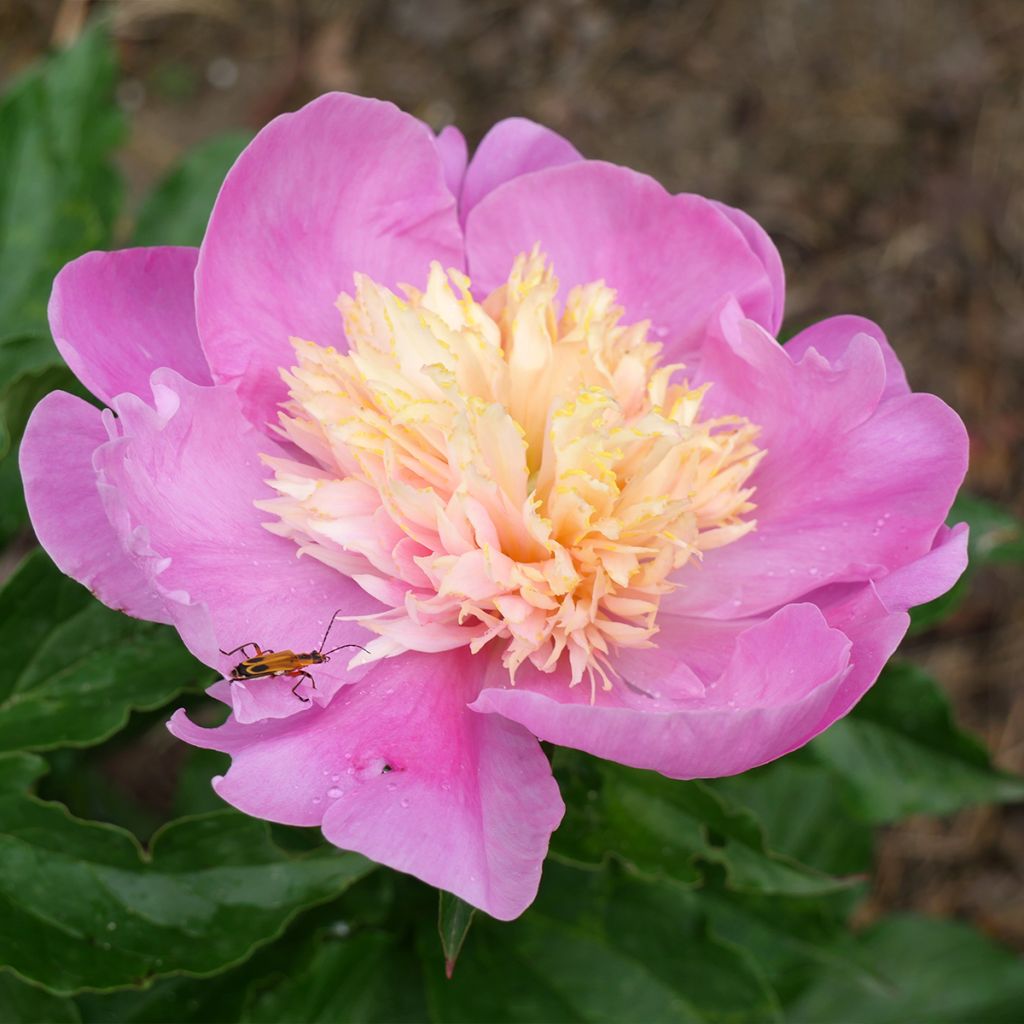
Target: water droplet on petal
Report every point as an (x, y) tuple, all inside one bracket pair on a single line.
[(392, 786), (318, 800), (334, 793), (334, 778), (404, 802)]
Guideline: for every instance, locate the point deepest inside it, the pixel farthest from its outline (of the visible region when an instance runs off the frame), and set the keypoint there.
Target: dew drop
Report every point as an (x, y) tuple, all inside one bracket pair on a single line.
[(318, 800), (888, 515), (350, 770), (348, 755), (392, 786), (334, 792), (446, 786), (334, 778), (812, 571), (111, 926), (405, 802), (327, 771), (879, 522)]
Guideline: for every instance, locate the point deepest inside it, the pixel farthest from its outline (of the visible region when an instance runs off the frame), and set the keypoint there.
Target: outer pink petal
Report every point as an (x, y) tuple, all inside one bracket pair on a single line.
[(849, 489), (179, 483), (670, 258), (118, 316), (65, 508), (874, 615), (513, 147), (399, 770), (344, 185), (451, 146), (764, 248), (832, 337), (779, 678)]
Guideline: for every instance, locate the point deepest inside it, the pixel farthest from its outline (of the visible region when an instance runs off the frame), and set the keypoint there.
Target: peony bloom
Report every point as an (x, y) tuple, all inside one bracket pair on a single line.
[(526, 424)]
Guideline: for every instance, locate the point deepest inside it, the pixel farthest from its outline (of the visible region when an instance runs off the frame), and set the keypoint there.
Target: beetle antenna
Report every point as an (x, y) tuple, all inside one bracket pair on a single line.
[(327, 631), (343, 646)]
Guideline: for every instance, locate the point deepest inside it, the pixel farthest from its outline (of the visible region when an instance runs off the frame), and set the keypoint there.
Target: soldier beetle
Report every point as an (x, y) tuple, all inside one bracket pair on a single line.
[(264, 664)]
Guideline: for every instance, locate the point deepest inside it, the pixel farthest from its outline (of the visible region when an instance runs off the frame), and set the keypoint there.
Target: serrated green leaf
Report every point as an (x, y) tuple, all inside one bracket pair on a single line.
[(663, 828), (83, 906), (599, 946), (900, 753), (931, 972), (177, 210), (454, 917), (74, 669), (59, 189), (21, 1003), (334, 963)]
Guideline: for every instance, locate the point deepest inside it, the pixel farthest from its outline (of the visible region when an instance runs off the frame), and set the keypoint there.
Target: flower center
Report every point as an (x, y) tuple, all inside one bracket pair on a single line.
[(498, 474)]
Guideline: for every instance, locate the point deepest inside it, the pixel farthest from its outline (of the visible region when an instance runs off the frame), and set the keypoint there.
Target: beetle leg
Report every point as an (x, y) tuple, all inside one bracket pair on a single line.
[(295, 688), (250, 643)]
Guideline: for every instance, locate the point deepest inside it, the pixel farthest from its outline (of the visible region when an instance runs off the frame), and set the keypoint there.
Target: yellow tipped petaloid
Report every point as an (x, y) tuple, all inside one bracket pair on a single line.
[(497, 473)]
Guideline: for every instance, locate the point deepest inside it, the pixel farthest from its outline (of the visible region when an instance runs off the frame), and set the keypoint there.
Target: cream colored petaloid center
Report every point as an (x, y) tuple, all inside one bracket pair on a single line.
[(497, 474)]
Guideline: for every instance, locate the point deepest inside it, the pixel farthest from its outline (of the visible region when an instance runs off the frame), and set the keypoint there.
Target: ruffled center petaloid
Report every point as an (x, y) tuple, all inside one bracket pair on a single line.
[(498, 474)]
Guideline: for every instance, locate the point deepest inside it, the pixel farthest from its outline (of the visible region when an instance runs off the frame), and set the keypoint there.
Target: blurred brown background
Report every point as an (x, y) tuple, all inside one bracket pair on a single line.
[(880, 142)]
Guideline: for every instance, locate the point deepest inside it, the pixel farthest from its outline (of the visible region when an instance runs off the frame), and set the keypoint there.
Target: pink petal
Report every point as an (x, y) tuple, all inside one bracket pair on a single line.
[(513, 147), (670, 258), (65, 508), (179, 482), (451, 146), (849, 489), (118, 316), (775, 681), (874, 615), (764, 248), (832, 337), (398, 769), (345, 184)]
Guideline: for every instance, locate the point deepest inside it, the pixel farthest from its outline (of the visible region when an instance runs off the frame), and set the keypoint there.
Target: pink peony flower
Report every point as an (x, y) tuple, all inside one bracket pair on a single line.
[(527, 425)]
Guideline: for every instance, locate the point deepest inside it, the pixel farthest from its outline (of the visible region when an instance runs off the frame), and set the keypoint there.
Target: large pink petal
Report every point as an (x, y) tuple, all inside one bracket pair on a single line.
[(398, 769), (65, 508), (764, 248), (513, 147), (775, 680), (850, 489), (344, 185), (118, 316), (670, 258), (832, 338), (179, 482), (451, 146)]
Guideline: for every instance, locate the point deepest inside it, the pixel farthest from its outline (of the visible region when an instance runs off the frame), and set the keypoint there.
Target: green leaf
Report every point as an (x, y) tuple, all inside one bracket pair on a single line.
[(597, 946), (334, 963), (83, 906), (21, 1003), (59, 189), (454, 916), (802, 813), (933, 972), (996, 535), (74, 669), (177, 210), (663, 828), (900, 753)]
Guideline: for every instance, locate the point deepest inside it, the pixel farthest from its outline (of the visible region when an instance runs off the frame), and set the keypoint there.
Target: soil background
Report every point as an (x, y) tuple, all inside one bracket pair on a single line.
[(880, 143)]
